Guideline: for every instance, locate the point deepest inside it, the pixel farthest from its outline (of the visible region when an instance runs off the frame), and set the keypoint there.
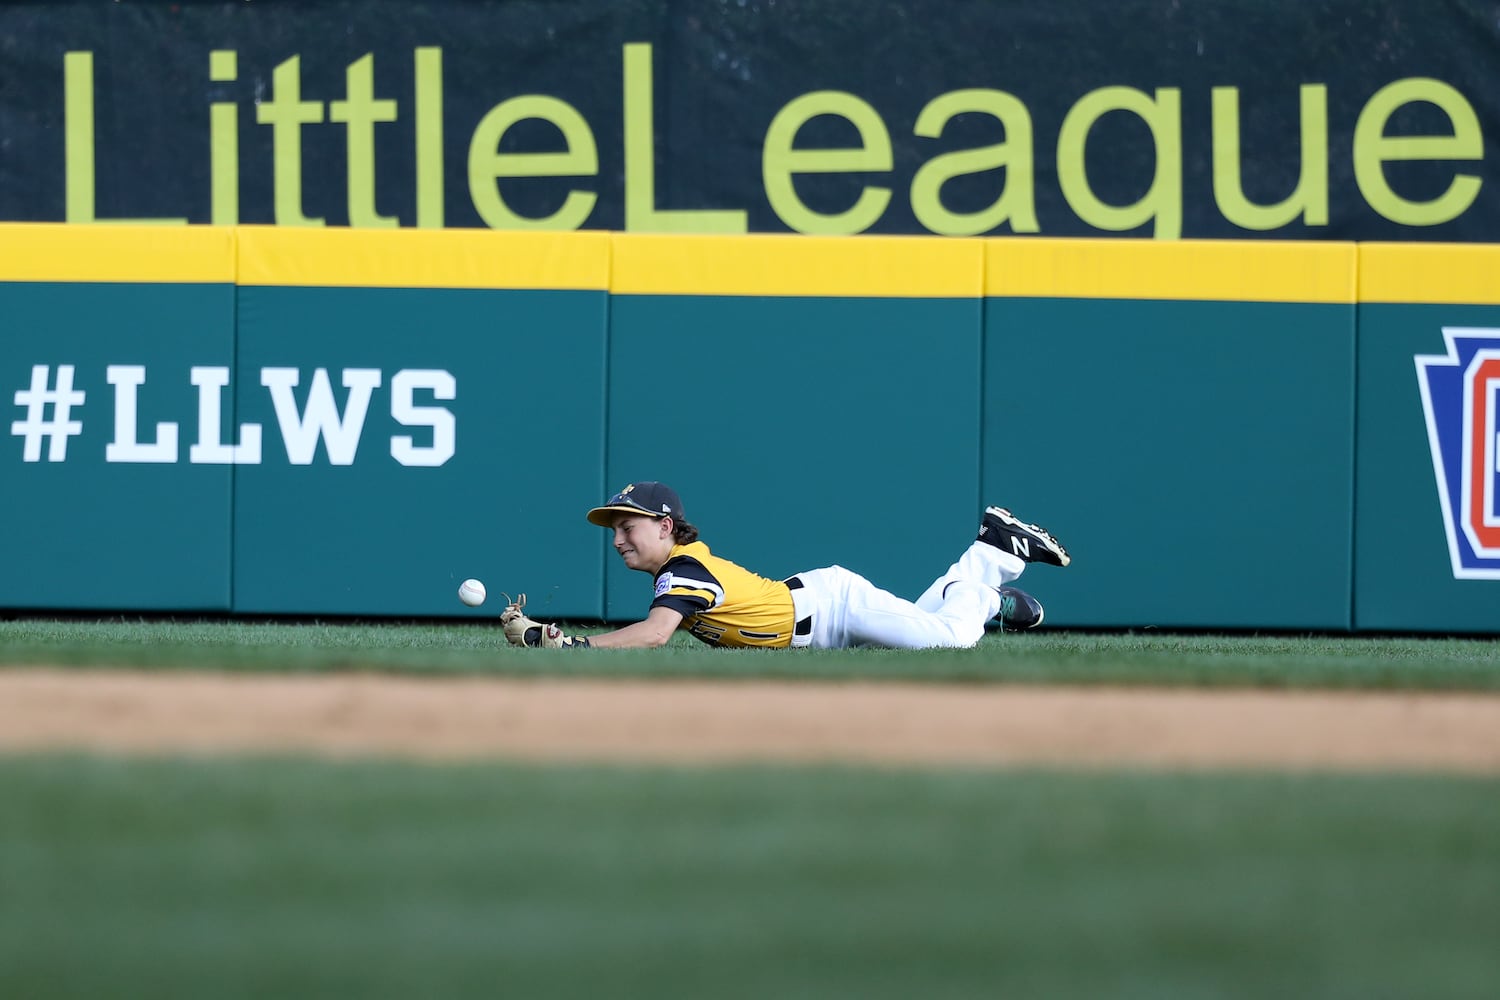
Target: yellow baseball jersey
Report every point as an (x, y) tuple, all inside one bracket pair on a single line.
[(724, 604)]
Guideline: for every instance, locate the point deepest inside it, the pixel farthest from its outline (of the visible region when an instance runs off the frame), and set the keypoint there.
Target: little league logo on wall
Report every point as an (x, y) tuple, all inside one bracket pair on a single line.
[(1461, 398)]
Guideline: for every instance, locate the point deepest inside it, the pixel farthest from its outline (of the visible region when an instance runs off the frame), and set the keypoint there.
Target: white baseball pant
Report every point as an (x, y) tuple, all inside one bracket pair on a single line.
[(837, 608)]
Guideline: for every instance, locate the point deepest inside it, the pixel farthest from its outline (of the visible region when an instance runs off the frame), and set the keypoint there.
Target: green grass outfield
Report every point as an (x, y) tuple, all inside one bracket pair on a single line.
[(289, 877), (292, 878), (1043, 657)]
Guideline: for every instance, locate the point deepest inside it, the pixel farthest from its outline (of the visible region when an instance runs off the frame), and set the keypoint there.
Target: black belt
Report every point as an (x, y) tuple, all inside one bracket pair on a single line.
[(804, 627)]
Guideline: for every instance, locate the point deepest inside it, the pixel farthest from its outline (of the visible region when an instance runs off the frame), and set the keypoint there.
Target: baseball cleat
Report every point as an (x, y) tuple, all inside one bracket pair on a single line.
[(1018, 609), (1030, 543)]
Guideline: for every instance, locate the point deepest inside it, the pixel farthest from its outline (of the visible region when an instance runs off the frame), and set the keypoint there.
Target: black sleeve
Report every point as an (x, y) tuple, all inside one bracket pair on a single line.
[(686, 586)]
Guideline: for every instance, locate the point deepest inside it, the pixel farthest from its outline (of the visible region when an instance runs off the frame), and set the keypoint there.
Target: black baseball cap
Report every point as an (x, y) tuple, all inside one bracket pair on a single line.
[(648, 499)]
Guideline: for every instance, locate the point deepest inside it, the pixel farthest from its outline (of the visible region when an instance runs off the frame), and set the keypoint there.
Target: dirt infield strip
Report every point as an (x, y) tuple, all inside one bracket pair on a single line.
[(706, 722)]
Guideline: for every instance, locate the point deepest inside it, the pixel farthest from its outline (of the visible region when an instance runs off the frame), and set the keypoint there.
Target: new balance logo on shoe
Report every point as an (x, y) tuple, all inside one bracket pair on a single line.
[(1028, 542)]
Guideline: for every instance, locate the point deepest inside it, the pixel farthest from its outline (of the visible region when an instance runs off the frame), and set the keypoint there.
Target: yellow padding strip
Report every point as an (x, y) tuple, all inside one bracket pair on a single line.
[(167, 254), (1208, 270), (1430, 272), (775, 264), (422, 258)]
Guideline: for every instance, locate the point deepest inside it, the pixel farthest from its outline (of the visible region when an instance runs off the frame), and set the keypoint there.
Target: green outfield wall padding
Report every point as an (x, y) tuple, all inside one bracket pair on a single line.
[(103, 504), (257, 420), (458, 380), (801, 432), (1427, 556), (482, 418), (1195, 457), (1181, 415)]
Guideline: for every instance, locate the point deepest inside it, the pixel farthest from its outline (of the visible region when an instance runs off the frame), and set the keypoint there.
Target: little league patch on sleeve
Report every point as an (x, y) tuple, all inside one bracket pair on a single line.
[(1461, 400), (663, 584)]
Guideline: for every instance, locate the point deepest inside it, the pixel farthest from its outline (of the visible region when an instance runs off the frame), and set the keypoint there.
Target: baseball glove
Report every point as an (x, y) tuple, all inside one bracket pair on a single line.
[(522, 630)]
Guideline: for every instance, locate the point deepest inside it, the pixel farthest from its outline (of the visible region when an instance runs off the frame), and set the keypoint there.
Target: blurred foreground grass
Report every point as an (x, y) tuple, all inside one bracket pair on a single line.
[(291, 878)]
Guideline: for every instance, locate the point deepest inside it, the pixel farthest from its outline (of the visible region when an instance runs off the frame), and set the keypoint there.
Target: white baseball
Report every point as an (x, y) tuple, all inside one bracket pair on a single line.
[(471, 592)]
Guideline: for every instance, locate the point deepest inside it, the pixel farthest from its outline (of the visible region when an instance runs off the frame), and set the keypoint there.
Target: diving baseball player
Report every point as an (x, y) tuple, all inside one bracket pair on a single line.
[(724, 604)]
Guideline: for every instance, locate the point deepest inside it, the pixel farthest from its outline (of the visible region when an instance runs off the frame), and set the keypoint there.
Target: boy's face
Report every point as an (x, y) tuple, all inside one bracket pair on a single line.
[(644, 543)]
